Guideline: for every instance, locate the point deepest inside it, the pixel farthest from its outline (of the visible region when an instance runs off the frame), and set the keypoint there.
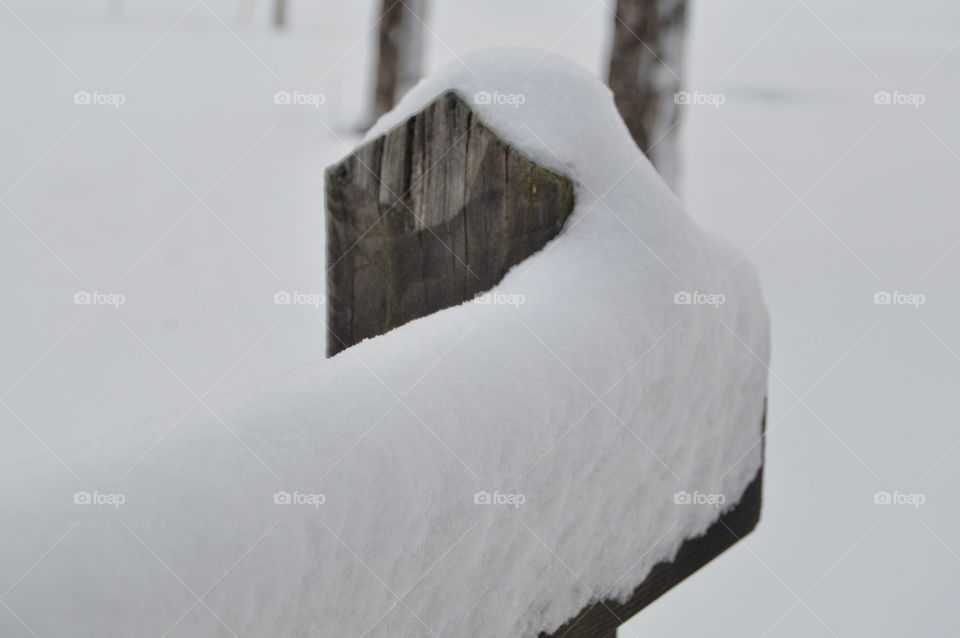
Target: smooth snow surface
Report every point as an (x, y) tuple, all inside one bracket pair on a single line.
[(582, 411)]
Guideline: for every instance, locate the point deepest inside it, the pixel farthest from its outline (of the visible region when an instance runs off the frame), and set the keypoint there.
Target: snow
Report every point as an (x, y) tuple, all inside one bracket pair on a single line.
[(583, 410), (877, 402)]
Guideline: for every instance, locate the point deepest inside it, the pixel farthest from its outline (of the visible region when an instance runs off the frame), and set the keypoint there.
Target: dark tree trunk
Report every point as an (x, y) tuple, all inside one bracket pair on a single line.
[(645, 66), (399, 52), (279, 13)]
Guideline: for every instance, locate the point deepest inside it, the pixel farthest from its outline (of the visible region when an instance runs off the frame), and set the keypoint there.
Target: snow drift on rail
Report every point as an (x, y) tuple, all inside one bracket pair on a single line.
[(485, 471)]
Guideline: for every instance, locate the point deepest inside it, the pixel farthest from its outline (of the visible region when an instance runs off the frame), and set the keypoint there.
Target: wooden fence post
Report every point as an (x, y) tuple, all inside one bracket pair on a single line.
[(429, 215)]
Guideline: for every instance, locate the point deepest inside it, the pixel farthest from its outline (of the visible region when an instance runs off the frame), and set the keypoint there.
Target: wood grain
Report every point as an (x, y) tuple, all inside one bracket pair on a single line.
[(429, 215)]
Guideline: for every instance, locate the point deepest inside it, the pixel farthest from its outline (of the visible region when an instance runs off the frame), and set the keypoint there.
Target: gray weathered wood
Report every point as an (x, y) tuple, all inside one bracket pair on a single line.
[(429, 215), (646, 60)]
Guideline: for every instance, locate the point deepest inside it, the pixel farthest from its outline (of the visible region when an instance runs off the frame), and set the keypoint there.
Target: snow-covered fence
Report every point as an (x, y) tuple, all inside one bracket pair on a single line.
[(485, 471), (429, 215), (437, 209)]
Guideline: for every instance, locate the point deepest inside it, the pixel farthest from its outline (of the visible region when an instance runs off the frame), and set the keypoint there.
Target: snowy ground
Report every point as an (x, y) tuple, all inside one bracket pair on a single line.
[(103, 199)]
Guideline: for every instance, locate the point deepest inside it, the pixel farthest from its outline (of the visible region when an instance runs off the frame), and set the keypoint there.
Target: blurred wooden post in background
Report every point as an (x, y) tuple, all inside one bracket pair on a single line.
[(646, 62), (279, 13), (399, 52)]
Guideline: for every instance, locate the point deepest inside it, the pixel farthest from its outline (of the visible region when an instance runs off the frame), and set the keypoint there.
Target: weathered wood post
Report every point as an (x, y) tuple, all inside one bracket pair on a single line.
[(646, 60), (429, 215)]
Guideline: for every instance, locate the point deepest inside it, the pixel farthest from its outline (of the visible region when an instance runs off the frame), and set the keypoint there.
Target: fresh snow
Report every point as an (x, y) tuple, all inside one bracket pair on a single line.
[(878, 398), (588, 407)]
